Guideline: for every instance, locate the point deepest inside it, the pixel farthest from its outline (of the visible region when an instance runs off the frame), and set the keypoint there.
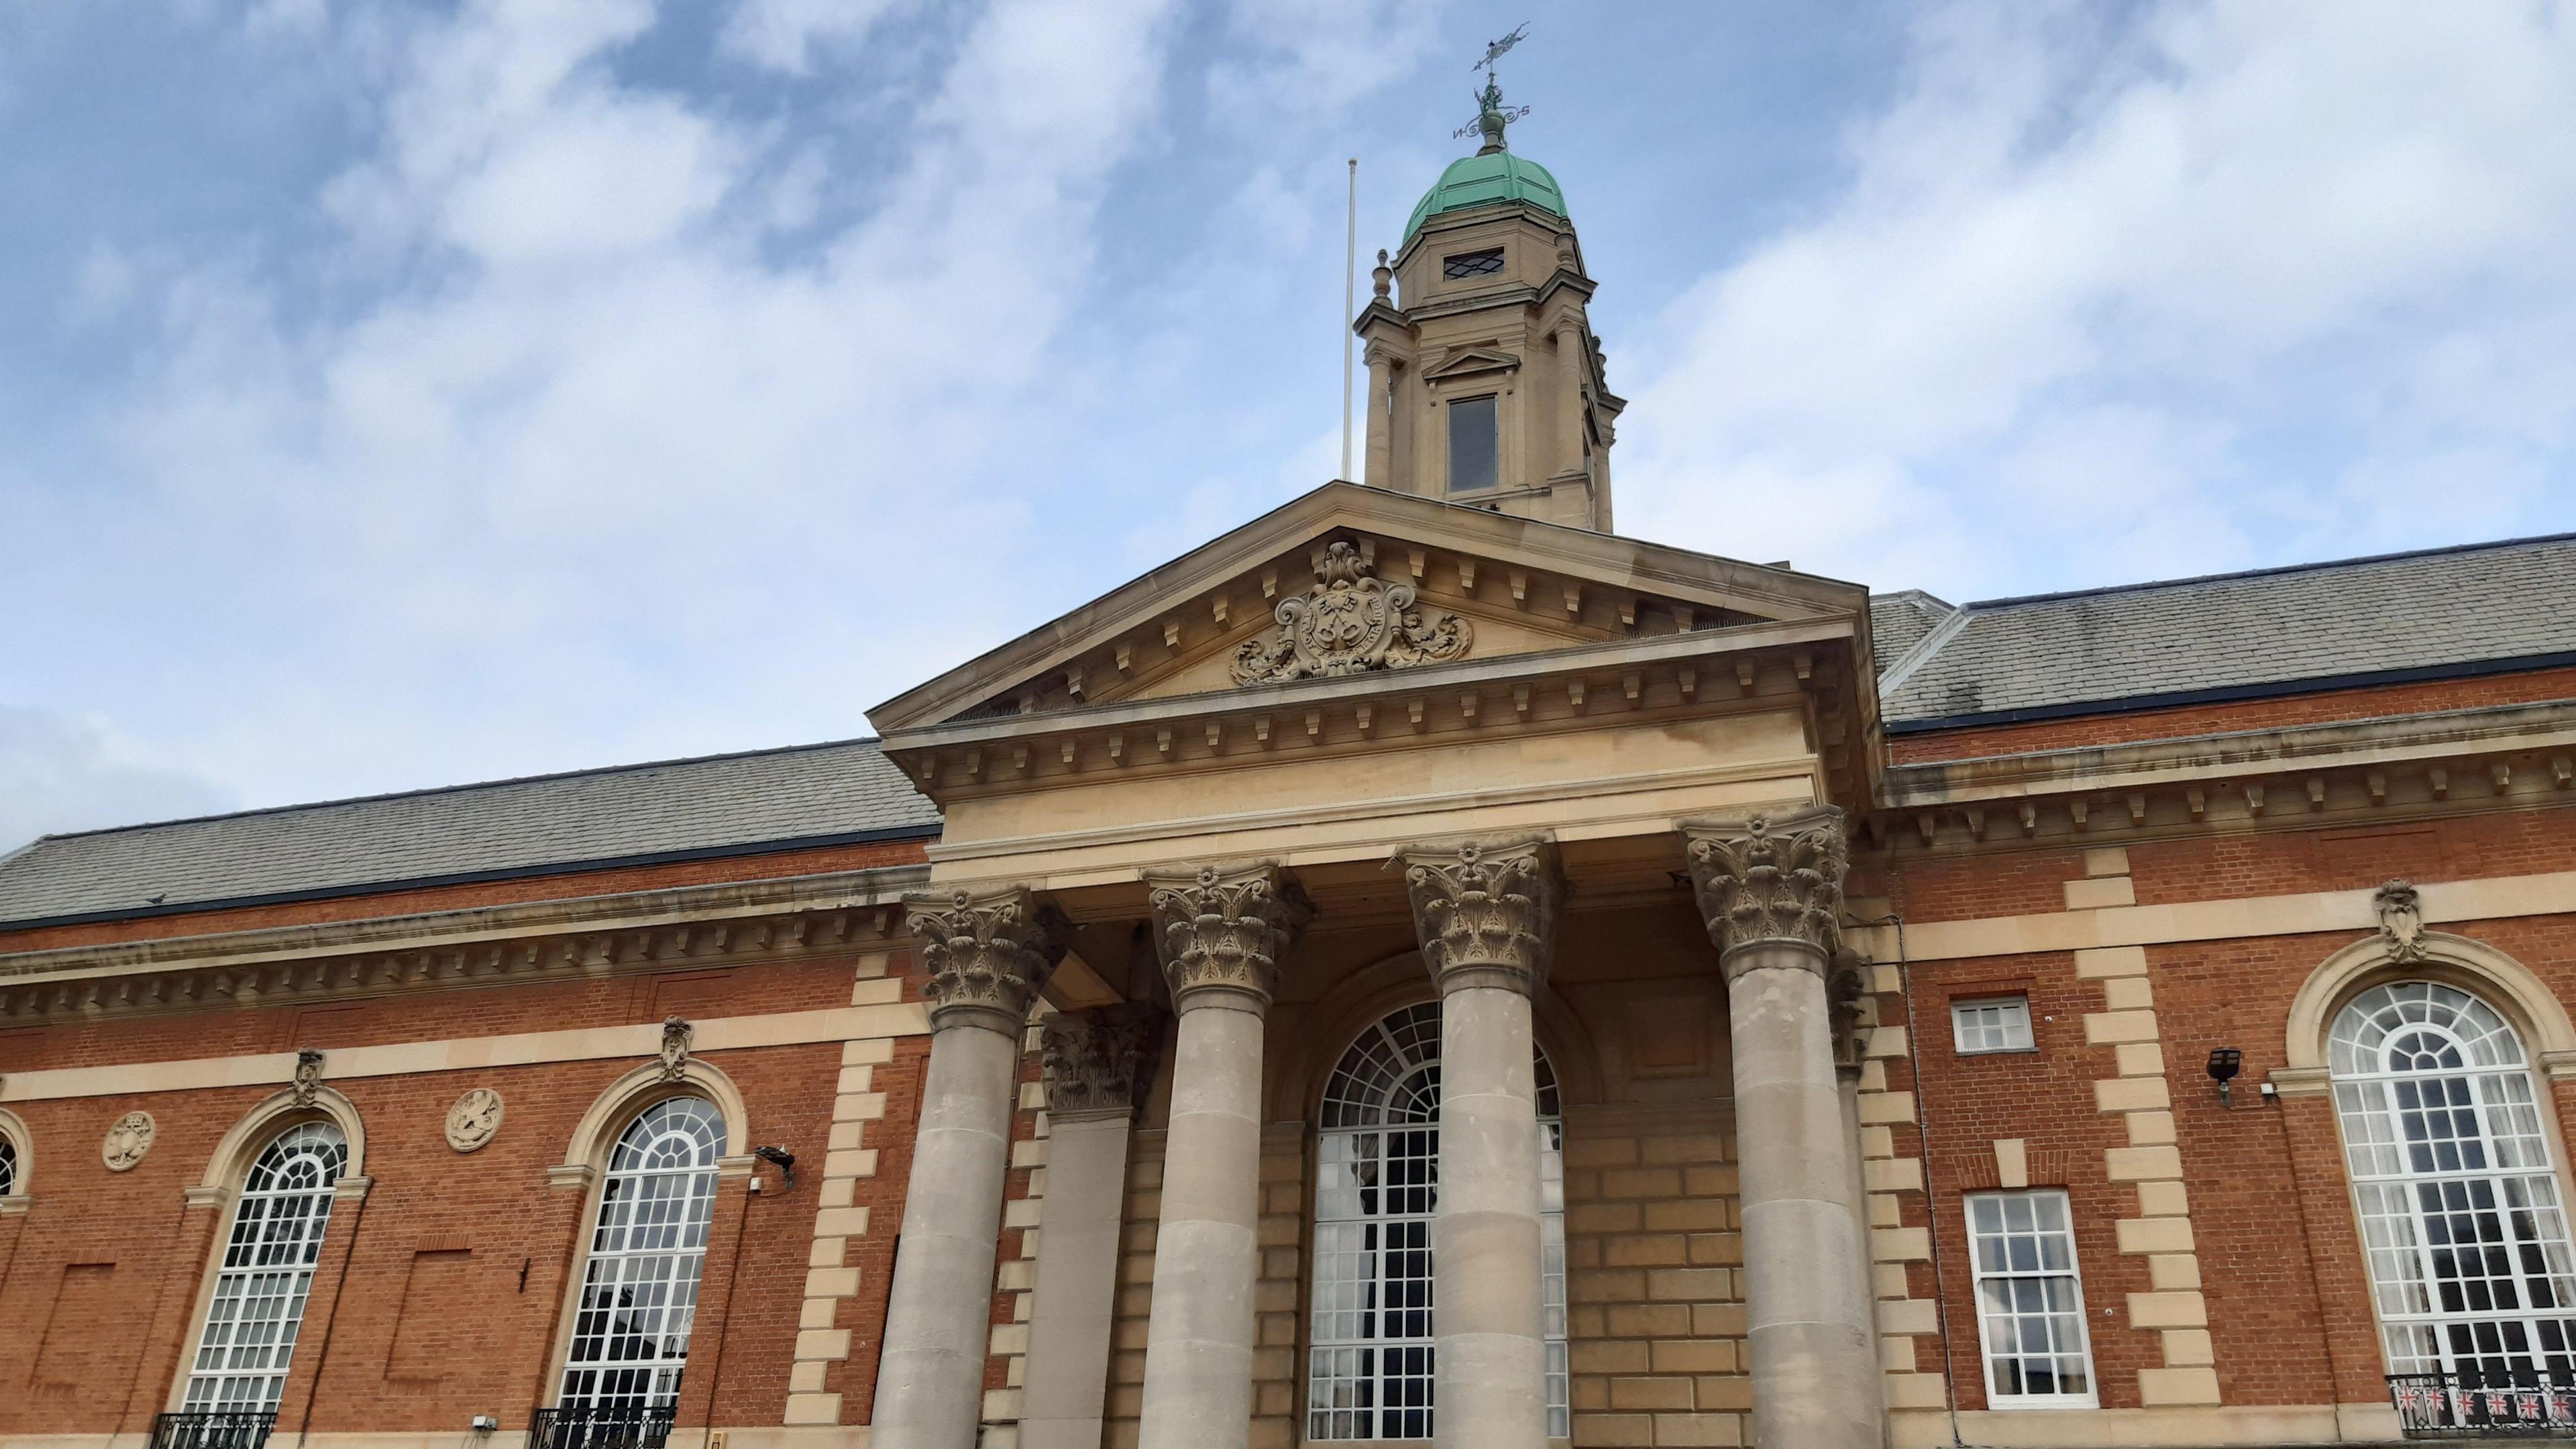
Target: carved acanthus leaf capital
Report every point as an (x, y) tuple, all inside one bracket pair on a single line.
[(2401, 920), (1770, 879), (1099, 1062), (1485, 911), (987, 954), (1223, 933), (1350, 622)]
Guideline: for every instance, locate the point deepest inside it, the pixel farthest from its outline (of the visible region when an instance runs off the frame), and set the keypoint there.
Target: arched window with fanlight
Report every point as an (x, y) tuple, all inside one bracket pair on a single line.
[(1369, 1366), (8, 1167), (2451, 1166), (639, 1288), (266, 1273)]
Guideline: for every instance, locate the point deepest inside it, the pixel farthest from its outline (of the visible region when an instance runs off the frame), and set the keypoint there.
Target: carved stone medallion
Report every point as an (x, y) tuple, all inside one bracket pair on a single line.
[(1350, 622), (1225, 930), (1485, 912), (987, 954), (1771, 879), (128, 1138), (474, 1120)]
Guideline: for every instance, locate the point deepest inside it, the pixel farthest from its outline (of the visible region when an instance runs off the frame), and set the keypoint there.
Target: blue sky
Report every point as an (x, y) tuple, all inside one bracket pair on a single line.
[(399, 395)]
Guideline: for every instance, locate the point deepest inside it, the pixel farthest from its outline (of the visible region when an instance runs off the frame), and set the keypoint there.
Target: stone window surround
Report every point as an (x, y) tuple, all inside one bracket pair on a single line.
[(22, 1145)]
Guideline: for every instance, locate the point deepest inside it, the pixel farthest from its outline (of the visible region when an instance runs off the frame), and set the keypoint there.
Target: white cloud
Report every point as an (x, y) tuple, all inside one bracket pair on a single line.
[(784, 34), (2095, 271), (58, 773)]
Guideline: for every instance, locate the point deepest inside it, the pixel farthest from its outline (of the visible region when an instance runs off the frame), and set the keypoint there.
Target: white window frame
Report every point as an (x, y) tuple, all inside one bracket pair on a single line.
[(272, 1245), (1961, 1006), (2505, 1156), (1408, 1042), (1980, 1274), (594, 1375)]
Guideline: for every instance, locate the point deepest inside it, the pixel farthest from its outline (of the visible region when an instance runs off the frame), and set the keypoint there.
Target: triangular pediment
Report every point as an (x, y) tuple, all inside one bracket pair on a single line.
[(1371, 581), (1467, 361)]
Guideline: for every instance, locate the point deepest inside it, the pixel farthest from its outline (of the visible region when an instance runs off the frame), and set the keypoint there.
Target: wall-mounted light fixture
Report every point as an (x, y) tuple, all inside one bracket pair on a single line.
[(486, 1423), (784, 1159), (2224, 1064)]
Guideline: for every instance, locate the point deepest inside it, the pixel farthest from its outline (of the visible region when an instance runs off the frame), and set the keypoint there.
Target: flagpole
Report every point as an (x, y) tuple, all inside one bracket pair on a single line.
[(1350, 301)]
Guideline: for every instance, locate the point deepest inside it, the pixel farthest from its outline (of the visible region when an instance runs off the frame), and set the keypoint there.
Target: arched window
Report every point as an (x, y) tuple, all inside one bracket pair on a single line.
[(639, 1291), (8, 1167), (2460, 1209), (267, 1271), (1369, 1371)]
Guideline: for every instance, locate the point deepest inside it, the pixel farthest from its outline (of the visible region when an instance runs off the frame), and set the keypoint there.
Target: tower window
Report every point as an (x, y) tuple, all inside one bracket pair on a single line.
[(1474, 450), (1472, 264)]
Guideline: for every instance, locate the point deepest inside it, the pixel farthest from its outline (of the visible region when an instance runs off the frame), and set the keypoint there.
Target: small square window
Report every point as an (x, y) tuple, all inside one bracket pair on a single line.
[(1991, 1024), (1472, 264)]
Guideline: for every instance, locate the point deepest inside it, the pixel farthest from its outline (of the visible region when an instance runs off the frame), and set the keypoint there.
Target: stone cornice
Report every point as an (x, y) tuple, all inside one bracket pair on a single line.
[(485, 945), (2496, 757)]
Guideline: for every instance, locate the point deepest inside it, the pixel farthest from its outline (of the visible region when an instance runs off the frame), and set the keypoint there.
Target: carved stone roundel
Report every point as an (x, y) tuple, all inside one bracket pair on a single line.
[(128, 1138), (474, 1119)]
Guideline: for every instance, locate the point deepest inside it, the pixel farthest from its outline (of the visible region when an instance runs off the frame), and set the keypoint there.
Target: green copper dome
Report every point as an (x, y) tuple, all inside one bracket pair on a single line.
[(1482, 180)]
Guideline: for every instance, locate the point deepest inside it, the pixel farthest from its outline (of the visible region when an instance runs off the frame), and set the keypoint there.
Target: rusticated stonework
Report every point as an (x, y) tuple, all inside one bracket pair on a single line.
[(988, 954), (1350, 622), (1485, 912), (1099, 1061), (1770, 879), (1224, 932)]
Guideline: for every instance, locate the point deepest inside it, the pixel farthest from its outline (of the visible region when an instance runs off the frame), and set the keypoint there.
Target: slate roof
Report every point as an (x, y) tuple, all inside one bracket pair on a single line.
[(824, 794), (2434, 613), (1898, 622)]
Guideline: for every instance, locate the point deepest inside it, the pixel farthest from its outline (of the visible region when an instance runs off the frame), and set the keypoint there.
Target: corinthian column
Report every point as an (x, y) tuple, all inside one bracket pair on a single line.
[(1097, 1065), (1486, 917), (1771, 891), (1221, 934), (988, 955)]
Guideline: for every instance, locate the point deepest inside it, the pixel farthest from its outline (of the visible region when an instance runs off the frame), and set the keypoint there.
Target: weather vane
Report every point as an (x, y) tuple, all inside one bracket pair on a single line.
[(1491, 114)]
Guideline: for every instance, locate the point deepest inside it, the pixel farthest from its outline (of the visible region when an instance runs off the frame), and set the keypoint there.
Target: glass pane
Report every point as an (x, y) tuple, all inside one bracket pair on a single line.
[(639, 1292), (1474, 462)]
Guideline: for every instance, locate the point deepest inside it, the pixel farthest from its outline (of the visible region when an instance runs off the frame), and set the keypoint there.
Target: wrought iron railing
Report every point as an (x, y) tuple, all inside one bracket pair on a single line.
[(2525, 1404), (213, 1429), (600, 1426)]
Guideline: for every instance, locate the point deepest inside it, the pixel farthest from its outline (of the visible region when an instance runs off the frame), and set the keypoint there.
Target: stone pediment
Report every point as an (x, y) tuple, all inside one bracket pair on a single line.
[(1349, 582), (1467, 361)]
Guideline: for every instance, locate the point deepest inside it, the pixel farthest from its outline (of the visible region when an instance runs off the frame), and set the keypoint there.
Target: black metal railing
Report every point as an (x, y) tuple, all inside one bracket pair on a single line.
[(213, 1429), (600, 1426), (2524, 1404)]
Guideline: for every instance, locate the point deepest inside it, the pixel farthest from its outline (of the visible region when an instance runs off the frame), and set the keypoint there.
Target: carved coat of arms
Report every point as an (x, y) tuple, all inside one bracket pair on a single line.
[(1350, 622), (128, 1138)]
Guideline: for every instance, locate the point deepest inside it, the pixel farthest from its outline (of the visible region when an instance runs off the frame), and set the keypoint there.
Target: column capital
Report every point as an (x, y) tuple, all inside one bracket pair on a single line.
[(1770, 880), (1099, 1063), (1485, 911), (1222, 932), (988, 953)]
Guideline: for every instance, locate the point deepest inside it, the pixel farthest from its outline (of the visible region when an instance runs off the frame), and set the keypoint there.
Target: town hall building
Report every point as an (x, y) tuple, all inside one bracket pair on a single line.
[(1421, 967)]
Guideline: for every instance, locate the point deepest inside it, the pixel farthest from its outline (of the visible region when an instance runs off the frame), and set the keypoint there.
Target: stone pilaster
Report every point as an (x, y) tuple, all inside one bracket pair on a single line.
[(1098, 1064), (1221, 934), (1486, 917), (988, 953), (1770, 889)]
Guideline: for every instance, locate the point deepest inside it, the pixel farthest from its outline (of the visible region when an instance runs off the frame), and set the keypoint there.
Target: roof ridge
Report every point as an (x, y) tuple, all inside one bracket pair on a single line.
[(442, 790), (2272, 572)]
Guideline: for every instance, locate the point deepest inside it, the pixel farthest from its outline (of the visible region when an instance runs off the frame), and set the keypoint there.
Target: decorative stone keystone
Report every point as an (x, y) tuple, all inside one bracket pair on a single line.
[(1485, 913), (1222, 932), (1770, 879), (2401, 920), (308, 1076), (677, 1037), (988, 954), (1099, 1062)]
